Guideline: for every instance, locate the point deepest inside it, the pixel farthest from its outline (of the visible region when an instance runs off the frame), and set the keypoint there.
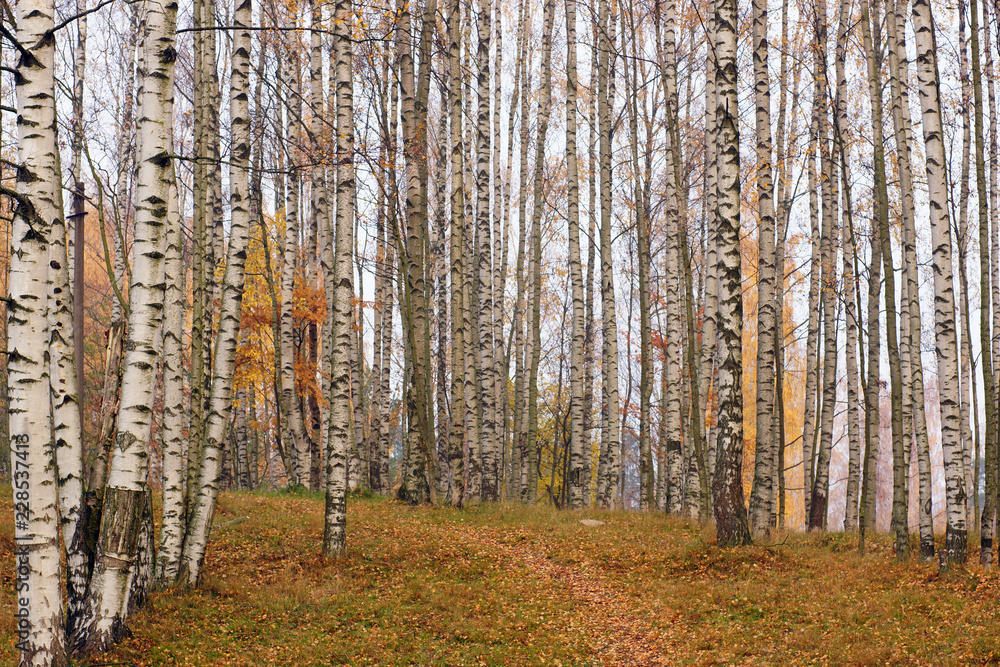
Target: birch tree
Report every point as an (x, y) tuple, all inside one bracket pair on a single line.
[(727, 485), (41, 638), (762, 497), (203, 499), (610, 464), (126, 497), (579, 495), (335, 532), (928, 87)]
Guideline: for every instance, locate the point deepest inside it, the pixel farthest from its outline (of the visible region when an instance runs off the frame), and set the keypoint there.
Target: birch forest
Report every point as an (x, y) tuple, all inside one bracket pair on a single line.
[(468, 332)]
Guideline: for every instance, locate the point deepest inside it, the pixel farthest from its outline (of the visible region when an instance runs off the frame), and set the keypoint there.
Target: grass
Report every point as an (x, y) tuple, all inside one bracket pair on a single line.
[(508, 585)]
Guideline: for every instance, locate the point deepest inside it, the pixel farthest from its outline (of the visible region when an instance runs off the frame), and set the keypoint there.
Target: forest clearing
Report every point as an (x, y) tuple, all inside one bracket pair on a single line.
[(510, 585)]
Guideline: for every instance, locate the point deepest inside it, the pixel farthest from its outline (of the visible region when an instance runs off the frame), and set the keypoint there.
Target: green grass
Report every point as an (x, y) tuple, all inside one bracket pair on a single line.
[(508, 585)]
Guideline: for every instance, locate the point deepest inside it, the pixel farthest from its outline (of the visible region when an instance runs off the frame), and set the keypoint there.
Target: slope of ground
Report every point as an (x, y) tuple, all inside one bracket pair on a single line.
[(505, 585)]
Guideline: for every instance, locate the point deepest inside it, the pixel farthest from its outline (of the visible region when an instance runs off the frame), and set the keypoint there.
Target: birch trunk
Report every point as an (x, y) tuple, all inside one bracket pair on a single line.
[(944, 298), (289, 397), (578, 493), (667, 55), (590, 330), (499, 277), (900, 471), (544, 109), (988, 517), (123, 529), (841, 142), (441, 270), (727, 484), (456, 439), (610, 438), (391, 233), (762, 496), (813, 324), (223, 362), (340, 439), (419, 483), (65, 405), (201, 311), (985, 275), (647, 486), (41, 638), (174, 470), (828, 282), (901, 127), (709, 350), (490, 490)]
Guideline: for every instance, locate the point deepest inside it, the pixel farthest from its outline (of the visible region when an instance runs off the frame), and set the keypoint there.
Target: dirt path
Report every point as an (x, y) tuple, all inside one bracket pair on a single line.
[(615, 633)]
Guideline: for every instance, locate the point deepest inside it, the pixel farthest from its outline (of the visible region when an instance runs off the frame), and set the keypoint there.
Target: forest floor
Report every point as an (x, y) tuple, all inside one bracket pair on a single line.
[(508, 585)]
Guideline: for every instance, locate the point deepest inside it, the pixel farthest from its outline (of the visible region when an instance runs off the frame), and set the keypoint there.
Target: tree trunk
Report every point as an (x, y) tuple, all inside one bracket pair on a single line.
[(727, 484), (124, 518), (813, 323), (335, 526), (544, 109), (944, 298), (217, 422), (174, 477), (456, 439), (579, 495), (610, 464), (490, 490), (41, 638), (985, 275), (762, 497)]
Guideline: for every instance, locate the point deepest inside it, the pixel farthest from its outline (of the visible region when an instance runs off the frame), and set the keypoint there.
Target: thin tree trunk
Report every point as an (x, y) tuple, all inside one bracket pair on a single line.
[(578, 494), (762, 496), (813, 323), (299, 474), (901, 127), (456, 439), (544, 108), (419, 483), (335, 525), (486, 366), (988, 517), (828, 283), (174, 470), (944, 298), (611, 428), (985, 274), (223, 362)]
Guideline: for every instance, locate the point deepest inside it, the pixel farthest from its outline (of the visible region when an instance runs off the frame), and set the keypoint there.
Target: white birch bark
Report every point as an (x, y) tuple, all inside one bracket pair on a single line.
[(41, 637), (578, 495), (335, 532), (898, 68), (611, 425), (944, 297), (762, 496), (457, 248), (122, 526), (291, 409), (727, 484), (220, 402), (65, 402), (174, 469), (490, 489)]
